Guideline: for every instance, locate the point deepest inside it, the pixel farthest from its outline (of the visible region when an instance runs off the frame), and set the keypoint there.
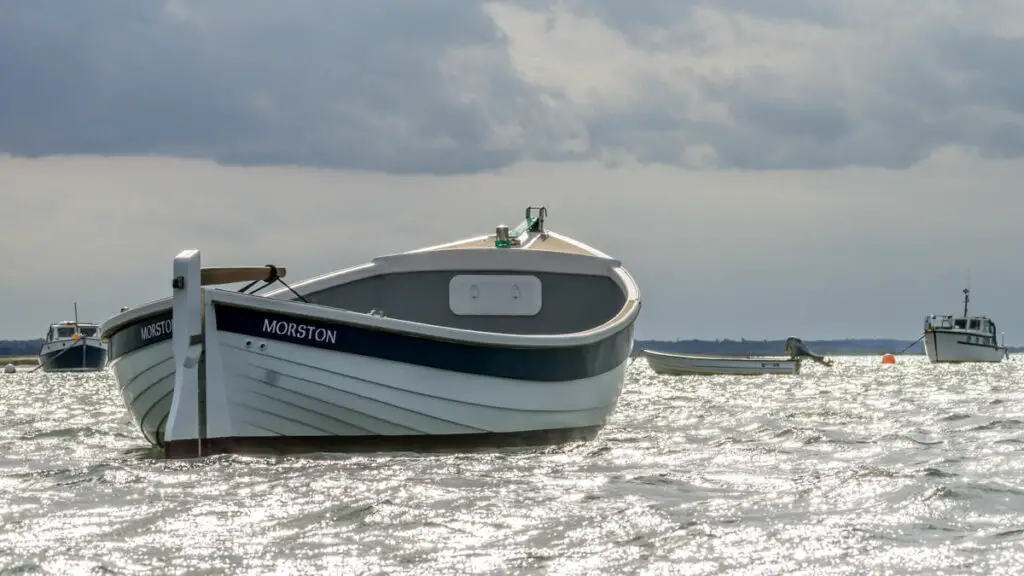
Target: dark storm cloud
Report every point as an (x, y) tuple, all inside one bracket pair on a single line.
[(411, 86), (352, 84)]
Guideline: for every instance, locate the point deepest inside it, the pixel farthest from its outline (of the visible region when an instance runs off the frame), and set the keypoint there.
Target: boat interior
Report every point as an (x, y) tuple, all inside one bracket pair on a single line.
[(516, 294), (491, 301)]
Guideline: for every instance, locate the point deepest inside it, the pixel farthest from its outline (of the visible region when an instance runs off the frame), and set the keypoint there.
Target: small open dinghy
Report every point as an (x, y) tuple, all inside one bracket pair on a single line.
[(671, 364), (521, 337)]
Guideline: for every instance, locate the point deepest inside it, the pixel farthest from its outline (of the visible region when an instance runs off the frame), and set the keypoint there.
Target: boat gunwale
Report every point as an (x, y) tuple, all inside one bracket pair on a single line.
[(700, 356), (602, 265)]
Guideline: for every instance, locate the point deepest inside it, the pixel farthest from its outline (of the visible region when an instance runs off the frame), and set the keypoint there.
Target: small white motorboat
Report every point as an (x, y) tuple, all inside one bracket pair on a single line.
[(672, 364), (520, 337), (963, 338)]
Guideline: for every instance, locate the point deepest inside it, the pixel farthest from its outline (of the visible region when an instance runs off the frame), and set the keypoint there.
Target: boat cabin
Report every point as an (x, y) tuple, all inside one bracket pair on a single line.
[(67, 329), (979, 325), (977, 329)]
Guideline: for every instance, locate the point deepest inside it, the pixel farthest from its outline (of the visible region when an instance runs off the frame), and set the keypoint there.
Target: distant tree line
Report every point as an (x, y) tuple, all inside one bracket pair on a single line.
[(848, 347), (20, 347)]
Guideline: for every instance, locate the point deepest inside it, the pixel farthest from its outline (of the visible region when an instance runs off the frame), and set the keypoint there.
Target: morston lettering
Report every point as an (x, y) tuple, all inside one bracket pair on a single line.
[(301, 331), (156, 329)]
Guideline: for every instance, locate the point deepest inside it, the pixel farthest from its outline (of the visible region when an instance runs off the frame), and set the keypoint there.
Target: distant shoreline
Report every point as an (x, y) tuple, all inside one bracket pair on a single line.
[(25, 351), (21, 360), (845, 347)]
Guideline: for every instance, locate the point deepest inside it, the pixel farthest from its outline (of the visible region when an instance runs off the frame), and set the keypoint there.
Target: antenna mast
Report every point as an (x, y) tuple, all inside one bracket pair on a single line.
[(967, 292)]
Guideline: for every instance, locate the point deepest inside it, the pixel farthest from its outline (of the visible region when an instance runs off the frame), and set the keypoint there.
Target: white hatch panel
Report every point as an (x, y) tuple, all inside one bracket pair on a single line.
[(492, 295)]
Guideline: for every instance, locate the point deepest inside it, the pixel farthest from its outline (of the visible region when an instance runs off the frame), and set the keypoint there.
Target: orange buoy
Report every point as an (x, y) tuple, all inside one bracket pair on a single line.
[(888, 358)]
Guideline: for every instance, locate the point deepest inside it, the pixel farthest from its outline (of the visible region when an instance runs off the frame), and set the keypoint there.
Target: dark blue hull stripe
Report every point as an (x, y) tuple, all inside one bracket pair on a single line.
[(966, 343), (138, 334), (979, 345), (545, 364), (72, 359), (540, 364)]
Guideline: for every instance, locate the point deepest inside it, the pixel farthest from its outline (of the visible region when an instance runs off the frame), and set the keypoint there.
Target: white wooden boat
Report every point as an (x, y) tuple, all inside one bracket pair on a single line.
[(965, 338), (673, 364), (521, 337)]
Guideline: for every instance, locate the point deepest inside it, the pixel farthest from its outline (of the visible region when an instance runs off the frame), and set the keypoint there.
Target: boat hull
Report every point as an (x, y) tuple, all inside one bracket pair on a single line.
[(403, 353), (277, 383), (696, 364), (144, 372), (950, 346), (82, 355), (145, 381), (291, 398), (142, 360)]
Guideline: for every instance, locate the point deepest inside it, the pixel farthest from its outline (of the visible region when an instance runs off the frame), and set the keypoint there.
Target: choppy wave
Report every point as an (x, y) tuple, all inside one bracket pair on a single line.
[(859, 469)]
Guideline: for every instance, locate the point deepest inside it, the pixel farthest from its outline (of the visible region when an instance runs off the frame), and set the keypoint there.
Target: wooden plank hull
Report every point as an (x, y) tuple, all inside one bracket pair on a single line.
[(687, 364)]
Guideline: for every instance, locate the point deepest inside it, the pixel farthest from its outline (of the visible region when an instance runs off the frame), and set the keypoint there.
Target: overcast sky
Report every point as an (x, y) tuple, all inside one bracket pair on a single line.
[(805, 167)]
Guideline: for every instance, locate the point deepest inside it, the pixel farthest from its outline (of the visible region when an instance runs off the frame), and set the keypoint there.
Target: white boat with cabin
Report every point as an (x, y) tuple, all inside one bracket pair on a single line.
[(673, 364), (966, 338), (519, 337), (73, 346)]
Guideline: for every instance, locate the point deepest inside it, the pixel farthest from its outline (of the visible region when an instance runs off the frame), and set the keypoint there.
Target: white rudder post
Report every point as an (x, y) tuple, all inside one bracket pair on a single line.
[(186, 306)]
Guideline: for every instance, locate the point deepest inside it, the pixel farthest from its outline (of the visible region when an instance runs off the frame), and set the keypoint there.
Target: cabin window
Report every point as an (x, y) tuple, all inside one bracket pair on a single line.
[(960, 323), (65, 332), (88, 331), (975, 324)]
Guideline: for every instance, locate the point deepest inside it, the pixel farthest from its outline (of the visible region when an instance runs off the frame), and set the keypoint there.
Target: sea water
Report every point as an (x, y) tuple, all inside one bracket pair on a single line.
[(861, 468)]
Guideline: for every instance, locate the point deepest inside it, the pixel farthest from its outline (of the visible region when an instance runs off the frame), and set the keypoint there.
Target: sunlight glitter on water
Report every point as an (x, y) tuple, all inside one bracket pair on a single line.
[(862, 468)]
